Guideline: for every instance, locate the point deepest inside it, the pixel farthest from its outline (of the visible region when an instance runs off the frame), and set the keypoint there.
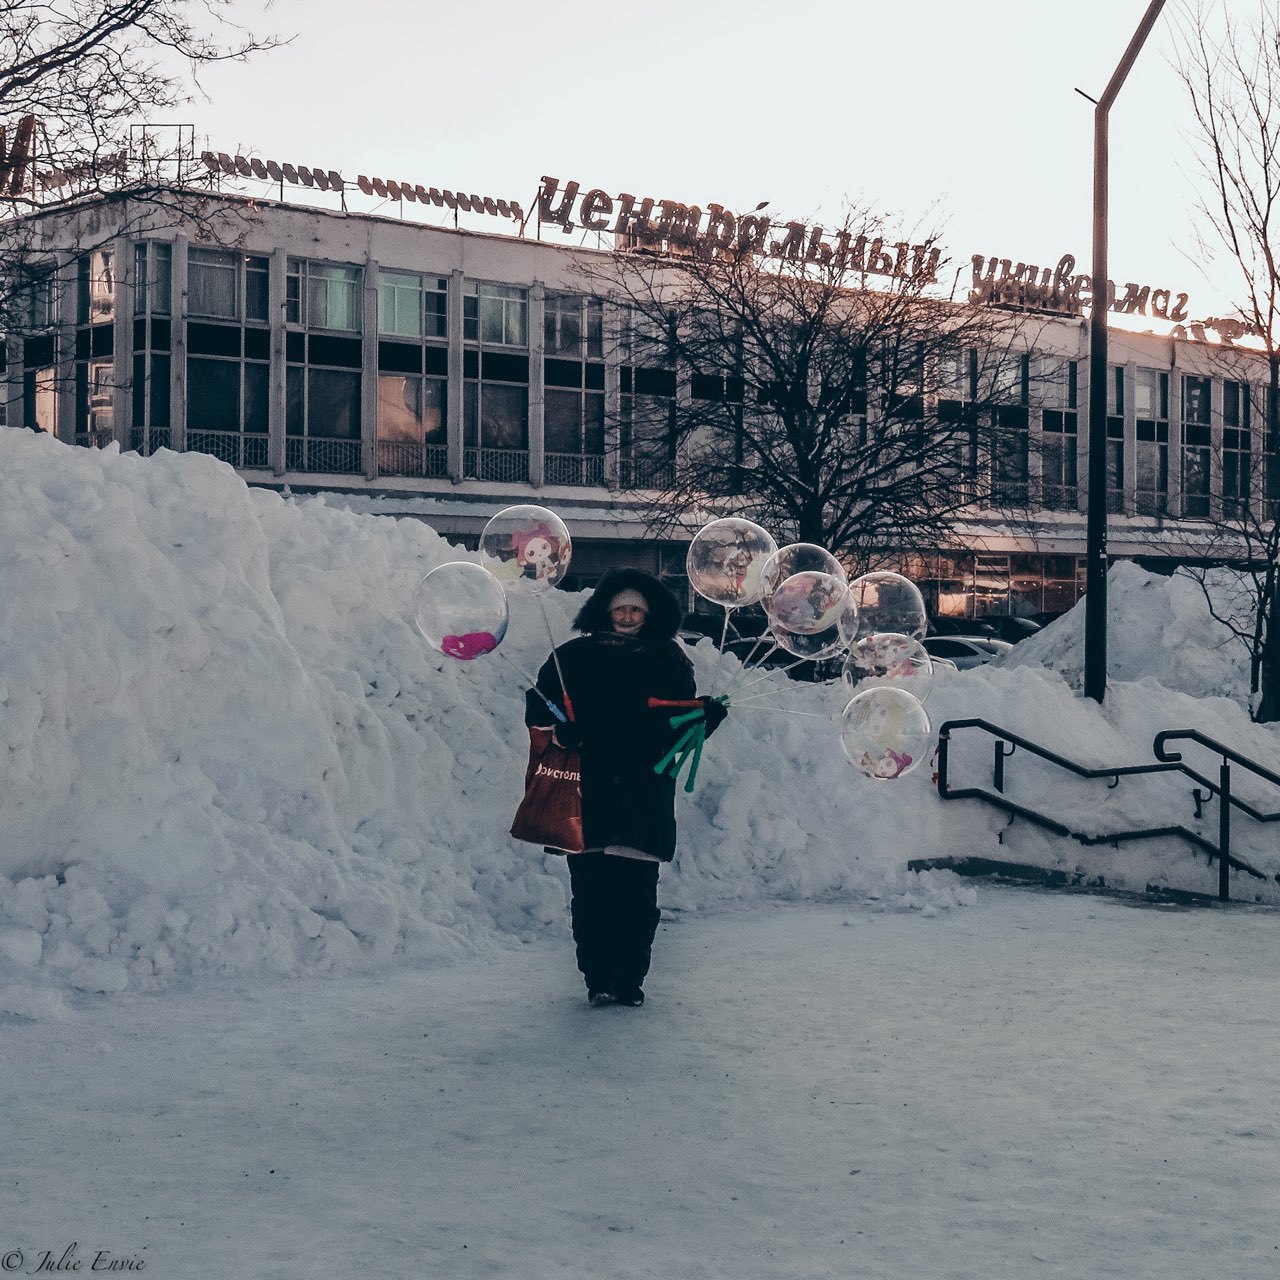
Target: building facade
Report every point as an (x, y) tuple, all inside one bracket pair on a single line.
[(443, 373)]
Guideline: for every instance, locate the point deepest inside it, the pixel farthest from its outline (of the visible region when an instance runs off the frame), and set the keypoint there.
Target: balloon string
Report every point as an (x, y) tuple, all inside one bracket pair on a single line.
[(746, 662), (724, 636), (758, 696), (757, 702), (786, 711), (533, 684), (772, 671), (555, 657)]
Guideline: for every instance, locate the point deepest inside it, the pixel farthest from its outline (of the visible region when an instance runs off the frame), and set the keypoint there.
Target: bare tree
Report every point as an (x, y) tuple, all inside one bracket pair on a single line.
[(1233, 82), (826, 388), (77, 80)]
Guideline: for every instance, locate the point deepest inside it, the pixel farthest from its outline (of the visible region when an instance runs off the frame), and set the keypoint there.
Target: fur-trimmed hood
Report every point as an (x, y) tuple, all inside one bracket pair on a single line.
[(664, 616)]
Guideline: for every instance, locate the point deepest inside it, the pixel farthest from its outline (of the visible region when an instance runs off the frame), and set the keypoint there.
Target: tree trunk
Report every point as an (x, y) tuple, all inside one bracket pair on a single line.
[(1269, 701)]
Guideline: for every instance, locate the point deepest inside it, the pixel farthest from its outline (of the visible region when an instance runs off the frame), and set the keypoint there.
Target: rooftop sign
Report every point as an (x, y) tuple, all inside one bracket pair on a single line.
[(650, 221), (218, 162)]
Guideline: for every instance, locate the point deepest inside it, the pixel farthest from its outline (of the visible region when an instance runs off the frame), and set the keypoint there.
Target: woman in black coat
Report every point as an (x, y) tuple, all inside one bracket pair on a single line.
[(626, 654)]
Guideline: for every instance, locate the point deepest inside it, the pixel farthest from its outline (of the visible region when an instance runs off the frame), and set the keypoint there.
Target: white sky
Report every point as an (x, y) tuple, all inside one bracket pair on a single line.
[(959, 113)]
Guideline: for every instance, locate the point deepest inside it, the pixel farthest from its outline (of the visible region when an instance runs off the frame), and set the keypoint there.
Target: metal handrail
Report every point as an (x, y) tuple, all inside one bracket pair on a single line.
[(1035, 749), (1218, 749), (1168, 764)]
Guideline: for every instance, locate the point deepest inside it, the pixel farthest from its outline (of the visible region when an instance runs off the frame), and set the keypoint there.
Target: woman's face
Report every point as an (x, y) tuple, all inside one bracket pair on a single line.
[(627, 619)]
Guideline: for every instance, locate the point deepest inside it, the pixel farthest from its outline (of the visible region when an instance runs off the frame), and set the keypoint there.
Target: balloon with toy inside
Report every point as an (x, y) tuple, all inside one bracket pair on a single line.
[(885, 732), (888, 659), (461, 610), (527, 548), (725, 560)]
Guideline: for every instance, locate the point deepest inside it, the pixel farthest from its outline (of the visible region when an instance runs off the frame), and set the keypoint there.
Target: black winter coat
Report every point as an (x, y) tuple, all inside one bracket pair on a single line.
[(610, 679)]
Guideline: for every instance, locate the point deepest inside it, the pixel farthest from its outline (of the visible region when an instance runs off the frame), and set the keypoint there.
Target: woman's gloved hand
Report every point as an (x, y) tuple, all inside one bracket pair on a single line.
[(715, 712), (568, 735)]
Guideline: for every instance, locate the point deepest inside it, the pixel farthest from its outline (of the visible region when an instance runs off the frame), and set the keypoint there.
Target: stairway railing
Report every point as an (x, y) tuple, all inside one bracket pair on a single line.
[(1168, 761)]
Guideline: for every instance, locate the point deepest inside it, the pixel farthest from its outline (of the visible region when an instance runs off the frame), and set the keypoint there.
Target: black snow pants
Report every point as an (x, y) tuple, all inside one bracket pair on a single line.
[(615, 917)]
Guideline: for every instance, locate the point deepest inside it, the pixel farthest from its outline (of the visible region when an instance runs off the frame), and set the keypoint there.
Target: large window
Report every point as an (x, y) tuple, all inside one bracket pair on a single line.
[(324, 296), (226, 286), (1197, 421), (1115, 439), (95, 348), (1057, 388), (574, 396), (153, 278), (495, 315), (152, 337), (1010, 429), (495, 399), (97, 292), (35, 313), (36, 297), (574, 327), (413, 306), (1151, 464), (1237, 443), (958, 417), (323, 363), (412, 374), (228, 356), (648, 404)]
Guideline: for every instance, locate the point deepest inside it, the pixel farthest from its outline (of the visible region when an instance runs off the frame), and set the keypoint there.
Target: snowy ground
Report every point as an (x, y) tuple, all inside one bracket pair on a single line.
[(1038, 1086)]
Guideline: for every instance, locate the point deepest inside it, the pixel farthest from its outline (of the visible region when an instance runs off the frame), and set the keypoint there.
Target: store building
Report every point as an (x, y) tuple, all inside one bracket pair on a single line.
[(443, 373)]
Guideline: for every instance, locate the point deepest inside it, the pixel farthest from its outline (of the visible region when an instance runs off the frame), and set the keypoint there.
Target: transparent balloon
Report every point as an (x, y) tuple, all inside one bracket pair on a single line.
[(725, 560), (888, 602), (527, 548), (797, 557), (885, 732), (817, 645), (884, 659), (807, 602), (461, 610)]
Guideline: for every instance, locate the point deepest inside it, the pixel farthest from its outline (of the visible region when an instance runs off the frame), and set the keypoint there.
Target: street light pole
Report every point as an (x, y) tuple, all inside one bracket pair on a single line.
[(1095, 597)]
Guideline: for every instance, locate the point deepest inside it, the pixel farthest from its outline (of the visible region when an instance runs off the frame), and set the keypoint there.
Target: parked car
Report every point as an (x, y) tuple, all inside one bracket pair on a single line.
[(966, 651), (945, 626), (1010, 628), (999, 626), (1050, 615)]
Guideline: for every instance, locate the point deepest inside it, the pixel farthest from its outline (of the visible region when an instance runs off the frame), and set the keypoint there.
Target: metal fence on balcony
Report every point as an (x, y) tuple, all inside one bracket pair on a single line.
[(146, 441), (94, 439), (506, 466), (573, 468), (406, 458), (240, 449), (1009, 493), (646, 473), (1151, 504), (336, 457), (1061, 497)]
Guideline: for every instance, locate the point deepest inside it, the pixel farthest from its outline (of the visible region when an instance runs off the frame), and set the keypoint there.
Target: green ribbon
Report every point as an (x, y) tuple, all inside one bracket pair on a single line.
[(688, 749)]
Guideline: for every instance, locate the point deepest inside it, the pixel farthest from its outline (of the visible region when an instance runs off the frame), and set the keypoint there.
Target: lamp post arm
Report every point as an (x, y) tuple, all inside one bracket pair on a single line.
[(1095, 601)]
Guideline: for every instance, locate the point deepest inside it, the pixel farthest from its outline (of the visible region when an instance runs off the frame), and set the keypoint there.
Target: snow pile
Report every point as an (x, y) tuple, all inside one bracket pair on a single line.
[(1158, 628), (225, 748)]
